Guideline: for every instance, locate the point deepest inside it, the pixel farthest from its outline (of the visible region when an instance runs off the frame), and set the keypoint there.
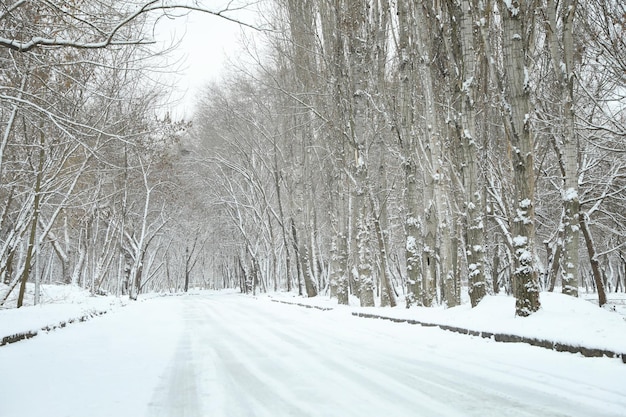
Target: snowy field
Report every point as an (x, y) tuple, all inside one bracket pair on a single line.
[(224, 354)]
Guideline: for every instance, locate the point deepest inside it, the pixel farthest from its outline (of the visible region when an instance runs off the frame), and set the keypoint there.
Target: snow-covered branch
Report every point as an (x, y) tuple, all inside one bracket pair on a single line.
[(103, 36)]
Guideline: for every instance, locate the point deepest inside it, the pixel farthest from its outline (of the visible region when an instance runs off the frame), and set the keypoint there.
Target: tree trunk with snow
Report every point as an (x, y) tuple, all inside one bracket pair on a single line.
[(28, 262), (517, 116), (593, 259), (559, 31), (339, 282), (407, 138), (380, 224), (309, 283), (465, 18), (364, 266), (358, 61), (412, 239), (436, 250)]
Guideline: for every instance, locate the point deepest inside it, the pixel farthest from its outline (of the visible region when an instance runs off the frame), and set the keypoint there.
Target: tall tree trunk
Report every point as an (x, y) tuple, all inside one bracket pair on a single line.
[(309, 283), (33, 227), (435, 241), (339, 277), (562, 54), (473, 198), (407, 138), (283, 220), (388, 295), (517, 111), (593, 259), (339, 247), (355, 24), (364, 265), (296, 248), (412, 239), (381, 227)]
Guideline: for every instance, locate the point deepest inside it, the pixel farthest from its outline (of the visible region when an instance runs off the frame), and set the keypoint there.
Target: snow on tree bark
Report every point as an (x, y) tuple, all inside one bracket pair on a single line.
[(517, 110), (405, 126), (473, 204), (560, 41)]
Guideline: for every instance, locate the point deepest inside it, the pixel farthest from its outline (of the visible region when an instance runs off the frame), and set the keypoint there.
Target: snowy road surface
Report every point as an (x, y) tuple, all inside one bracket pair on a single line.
[(226, 355)]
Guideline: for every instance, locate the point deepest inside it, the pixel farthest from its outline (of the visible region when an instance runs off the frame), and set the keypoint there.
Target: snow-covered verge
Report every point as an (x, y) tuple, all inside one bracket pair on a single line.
[(563, 323), (59, 306)]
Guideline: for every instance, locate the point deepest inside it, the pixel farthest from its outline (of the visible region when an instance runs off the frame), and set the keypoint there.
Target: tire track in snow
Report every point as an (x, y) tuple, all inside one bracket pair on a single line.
[(437, 385), (250, 358), (177, 394), (491, 382), (247, 390), (337, 382)]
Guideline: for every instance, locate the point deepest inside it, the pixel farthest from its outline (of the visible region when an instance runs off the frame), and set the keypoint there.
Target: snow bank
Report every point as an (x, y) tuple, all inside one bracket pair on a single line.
[(561, 322), (60, 305)]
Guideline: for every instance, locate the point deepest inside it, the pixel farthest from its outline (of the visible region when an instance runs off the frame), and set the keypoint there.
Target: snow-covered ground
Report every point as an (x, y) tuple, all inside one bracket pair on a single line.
[(59, 305), (561, 319), (224, 354)]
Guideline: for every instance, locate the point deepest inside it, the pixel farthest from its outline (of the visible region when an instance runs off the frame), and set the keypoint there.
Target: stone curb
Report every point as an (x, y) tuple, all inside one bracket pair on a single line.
[(302, 305), (32, 333), (507, 338)]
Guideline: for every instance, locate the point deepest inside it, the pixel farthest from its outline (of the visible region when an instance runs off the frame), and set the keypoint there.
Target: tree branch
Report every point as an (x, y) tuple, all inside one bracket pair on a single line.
[(109, 37)]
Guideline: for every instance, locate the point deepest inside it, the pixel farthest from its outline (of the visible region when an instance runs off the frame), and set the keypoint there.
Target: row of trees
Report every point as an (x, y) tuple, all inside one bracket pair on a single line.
[(89, 186), (380, 148), (372, 148)]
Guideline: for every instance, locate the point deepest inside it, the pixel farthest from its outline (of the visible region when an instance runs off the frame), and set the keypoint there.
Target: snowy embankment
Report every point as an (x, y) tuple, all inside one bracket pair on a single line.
[(563, 323), (60, 305)]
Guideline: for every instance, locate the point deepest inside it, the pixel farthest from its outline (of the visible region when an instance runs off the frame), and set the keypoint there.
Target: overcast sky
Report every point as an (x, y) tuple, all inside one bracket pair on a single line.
[(204, 43)]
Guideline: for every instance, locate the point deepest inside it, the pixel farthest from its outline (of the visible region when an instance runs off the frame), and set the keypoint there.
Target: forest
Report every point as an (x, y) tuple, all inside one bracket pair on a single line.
[(423, 152)]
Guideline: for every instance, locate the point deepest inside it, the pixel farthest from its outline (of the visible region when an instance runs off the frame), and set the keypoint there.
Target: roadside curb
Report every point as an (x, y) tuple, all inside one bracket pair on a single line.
[(302, 305), (506, 338), (6, 340), (497, 337)]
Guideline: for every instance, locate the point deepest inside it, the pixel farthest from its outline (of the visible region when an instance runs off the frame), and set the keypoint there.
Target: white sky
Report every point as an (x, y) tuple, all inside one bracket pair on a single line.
[(204, 44)]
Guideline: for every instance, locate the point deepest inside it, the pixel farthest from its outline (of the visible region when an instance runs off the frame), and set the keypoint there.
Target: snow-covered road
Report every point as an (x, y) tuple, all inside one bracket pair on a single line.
[(230, 355)]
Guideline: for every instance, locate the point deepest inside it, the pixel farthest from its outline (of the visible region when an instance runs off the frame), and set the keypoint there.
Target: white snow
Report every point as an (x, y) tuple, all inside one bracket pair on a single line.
[(412, 221), (524, 256), (561, 318), (224, 354), (520, 241), (60, 304), (474, 270), (570, 194), (477, 248), (465, 88), (107, 366), (411, 244), (526, 86), (513, 9)]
